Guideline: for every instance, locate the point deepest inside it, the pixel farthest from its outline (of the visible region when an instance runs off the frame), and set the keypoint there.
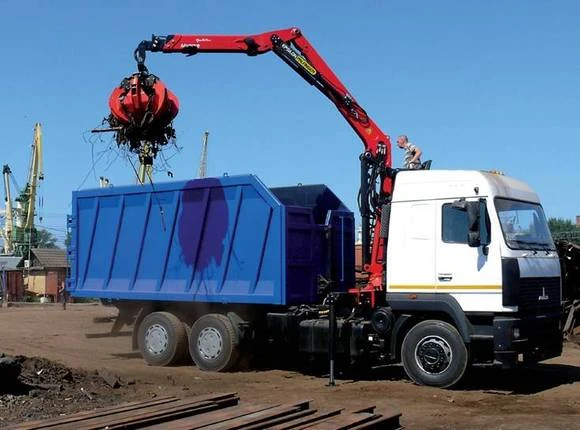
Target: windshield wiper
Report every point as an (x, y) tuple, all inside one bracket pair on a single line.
[(522, 244), (542, 246)]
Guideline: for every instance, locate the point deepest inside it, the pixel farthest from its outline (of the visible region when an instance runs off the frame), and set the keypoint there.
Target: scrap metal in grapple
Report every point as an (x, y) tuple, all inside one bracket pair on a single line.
[(142, 110)]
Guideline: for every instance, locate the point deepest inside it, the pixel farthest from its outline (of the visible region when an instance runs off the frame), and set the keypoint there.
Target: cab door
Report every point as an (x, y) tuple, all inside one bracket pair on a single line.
[(472, 274)]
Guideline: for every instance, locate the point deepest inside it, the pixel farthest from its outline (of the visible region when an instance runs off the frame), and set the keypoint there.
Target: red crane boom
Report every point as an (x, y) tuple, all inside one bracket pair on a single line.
[(295, 50)]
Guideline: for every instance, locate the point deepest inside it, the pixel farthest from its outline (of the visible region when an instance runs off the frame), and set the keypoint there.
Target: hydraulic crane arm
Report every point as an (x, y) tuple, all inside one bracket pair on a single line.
[(295, 50)]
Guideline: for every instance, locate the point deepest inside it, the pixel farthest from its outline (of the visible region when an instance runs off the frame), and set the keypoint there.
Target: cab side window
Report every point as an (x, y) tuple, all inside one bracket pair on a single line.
[(454, 224)]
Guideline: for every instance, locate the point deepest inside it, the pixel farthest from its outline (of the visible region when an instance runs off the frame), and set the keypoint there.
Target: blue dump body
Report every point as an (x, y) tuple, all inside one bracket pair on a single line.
[(221, 240)]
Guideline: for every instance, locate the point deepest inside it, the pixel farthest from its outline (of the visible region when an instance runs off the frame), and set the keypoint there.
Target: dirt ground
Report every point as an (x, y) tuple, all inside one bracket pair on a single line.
[(546, 396)]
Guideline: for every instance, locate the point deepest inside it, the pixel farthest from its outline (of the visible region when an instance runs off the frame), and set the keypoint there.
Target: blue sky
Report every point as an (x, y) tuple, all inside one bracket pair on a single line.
[(476, 84)]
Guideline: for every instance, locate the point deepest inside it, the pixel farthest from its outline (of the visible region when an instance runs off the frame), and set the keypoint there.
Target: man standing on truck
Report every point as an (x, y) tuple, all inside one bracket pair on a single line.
[(412, 157)]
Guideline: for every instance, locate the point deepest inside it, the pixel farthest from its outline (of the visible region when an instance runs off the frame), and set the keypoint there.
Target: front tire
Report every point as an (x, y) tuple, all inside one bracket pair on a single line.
[(433, 353), (213, 343), (162, 339)]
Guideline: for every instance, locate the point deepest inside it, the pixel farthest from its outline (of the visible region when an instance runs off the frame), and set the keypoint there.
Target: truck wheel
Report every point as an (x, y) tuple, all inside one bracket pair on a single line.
[(434, 354), (213, 343), (162, 339)]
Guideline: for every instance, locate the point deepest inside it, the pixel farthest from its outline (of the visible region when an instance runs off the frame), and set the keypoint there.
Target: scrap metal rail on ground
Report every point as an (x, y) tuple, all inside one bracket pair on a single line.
[(216, 412)]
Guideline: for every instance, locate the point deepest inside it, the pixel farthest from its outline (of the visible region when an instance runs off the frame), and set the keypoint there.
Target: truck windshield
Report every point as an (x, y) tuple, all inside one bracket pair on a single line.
[(524, 225)]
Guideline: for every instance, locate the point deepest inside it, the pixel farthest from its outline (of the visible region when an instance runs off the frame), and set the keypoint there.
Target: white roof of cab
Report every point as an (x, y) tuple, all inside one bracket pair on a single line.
[(447, 184)]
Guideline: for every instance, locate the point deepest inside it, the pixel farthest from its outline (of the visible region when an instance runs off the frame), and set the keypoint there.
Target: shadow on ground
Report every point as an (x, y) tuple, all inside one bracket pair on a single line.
[(530, 379), (127, 355), (108, 334), (16, 388), (526, 380)]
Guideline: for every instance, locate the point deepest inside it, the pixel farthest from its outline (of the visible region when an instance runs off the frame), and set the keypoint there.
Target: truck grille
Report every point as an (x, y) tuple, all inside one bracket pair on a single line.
[(538, 295)]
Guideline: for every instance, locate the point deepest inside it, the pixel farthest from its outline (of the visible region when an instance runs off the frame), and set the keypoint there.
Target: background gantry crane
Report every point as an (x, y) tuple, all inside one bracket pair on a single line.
[(8, 212), (19, 232)]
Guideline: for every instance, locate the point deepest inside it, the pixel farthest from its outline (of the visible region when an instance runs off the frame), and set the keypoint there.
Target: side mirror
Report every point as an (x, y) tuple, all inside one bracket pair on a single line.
[(473, 224), (477, 222)]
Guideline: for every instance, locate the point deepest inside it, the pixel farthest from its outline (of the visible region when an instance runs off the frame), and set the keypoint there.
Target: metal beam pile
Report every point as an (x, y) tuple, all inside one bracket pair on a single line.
[(216, 412)]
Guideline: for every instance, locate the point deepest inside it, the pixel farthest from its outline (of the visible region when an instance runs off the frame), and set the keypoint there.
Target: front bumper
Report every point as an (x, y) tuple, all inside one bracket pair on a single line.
[(527, 339)]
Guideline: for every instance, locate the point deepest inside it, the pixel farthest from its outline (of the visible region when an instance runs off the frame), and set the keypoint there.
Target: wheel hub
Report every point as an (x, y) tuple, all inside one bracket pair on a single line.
[(210, 343), (433, 354), (156, 339)]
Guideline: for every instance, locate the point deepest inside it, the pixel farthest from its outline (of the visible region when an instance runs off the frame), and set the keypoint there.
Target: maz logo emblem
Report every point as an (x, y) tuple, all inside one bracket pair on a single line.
[(544, 296)]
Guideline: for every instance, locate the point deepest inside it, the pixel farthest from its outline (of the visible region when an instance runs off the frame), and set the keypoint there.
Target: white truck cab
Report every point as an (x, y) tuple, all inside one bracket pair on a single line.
[(475, 247)]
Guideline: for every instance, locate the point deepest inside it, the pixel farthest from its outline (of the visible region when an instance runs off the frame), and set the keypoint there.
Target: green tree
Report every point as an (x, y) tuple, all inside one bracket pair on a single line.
[(562, 225), (67, 239), (45, 239)]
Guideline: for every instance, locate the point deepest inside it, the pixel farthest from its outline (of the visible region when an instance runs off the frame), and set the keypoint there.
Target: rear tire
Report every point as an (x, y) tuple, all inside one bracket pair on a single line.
[(213, 343), (162, 339), (433, 353)]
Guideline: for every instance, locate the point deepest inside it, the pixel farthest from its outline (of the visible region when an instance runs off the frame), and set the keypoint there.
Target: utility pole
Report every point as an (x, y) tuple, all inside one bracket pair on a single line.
[(202, 172)]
